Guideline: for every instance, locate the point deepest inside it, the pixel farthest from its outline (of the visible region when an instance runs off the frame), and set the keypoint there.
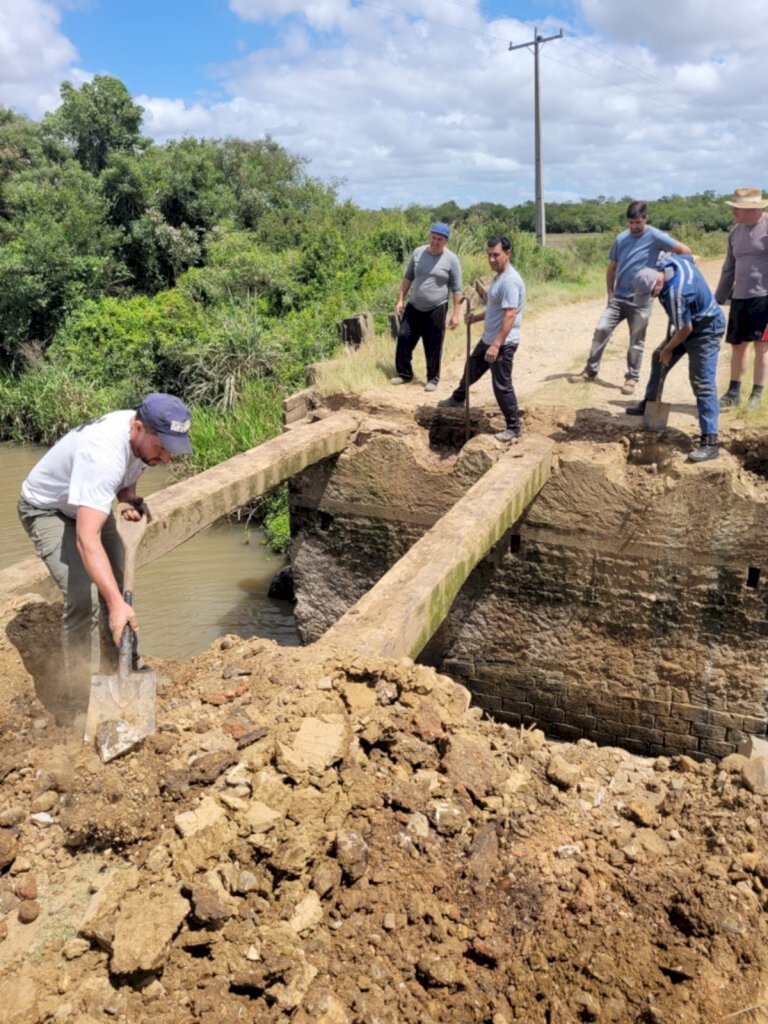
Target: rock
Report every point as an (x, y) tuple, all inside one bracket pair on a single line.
[(307, 915), (206, 769), (440, 969), (326, 877), (754, 746), (147, 922), (3, 931), (483, 855), (427, 722), (29, 911), (260, 818), (42, 819), (208, 909), (8, 848), (8, 902), (45, 802), (471, 763), (642, 813), (358, 697), (318, 744), (25, 887), (448, 818), (208, 813), (75, 948), (352, 854), (733, 763), (236, 671), (99, 918), (754, 775), (116, 738), (562, 772)]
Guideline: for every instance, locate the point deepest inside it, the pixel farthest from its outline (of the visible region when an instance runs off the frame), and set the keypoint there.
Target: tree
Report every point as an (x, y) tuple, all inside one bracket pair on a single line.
[(96, 120)]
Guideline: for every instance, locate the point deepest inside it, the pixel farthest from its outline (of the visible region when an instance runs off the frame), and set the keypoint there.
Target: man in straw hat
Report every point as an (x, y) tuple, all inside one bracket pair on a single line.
[(744, 280)]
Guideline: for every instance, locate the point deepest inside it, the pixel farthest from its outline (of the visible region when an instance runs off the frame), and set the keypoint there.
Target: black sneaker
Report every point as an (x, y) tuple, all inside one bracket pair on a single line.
[(729, 399), (636, 410), (450, 403)]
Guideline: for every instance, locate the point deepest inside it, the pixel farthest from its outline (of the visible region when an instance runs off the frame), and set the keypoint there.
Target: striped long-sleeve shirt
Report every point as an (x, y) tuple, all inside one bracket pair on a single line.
[(687, 299)]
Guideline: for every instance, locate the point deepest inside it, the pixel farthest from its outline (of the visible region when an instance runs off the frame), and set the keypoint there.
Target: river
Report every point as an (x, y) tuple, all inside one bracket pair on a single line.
[(216, 583)]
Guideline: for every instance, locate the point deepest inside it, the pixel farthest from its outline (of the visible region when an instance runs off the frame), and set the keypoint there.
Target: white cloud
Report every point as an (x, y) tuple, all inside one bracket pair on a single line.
[(641, 102), (35, 57)]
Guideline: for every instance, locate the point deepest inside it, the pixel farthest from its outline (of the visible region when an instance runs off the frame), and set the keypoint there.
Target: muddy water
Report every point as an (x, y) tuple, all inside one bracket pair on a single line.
[(215, 583)]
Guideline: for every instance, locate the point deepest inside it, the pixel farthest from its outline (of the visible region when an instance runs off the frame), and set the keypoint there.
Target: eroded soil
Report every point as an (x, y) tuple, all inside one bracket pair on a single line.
[(351, 842)]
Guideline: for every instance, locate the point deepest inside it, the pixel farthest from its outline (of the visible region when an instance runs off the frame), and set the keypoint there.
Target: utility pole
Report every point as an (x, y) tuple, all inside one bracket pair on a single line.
[(537, 42)]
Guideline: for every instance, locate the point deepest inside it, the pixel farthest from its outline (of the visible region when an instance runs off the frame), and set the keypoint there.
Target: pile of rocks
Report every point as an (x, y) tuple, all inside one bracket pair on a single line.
[(350, 841)]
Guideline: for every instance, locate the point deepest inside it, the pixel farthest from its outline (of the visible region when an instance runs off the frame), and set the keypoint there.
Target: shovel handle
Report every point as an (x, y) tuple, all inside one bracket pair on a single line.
[(125, 658), (467, 425)]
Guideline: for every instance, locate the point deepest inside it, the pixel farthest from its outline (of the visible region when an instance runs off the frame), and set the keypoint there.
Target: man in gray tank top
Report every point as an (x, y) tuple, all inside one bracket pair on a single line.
[(435, 273)]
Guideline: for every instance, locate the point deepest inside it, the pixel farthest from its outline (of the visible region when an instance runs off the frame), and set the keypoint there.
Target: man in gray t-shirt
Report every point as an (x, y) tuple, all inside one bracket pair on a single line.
[(496, 349), (435, 273)]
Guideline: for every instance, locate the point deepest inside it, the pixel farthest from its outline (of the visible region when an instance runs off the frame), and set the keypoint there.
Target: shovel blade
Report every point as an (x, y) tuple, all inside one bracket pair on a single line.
[(656, 415), (130, 699)]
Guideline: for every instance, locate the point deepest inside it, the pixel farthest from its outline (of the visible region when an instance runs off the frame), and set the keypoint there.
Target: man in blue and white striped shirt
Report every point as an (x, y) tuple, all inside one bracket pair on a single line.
[(698, 324)]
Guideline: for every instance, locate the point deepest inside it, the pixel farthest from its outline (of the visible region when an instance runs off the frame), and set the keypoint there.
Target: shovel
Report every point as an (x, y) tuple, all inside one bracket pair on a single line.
[(467, 423), (121, 708), (656, 413)]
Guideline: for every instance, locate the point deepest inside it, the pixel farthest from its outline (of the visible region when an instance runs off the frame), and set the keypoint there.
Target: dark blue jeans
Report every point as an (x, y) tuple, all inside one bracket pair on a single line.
[(501, 378), (703, 350)]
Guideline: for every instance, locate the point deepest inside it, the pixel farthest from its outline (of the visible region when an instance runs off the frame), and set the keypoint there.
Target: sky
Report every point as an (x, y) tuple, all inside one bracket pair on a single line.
[(421, 101)]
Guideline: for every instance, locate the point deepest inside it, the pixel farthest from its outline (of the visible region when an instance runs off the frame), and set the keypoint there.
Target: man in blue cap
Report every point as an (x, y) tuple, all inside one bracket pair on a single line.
[(66, 508), (435, 273), (698, 324)]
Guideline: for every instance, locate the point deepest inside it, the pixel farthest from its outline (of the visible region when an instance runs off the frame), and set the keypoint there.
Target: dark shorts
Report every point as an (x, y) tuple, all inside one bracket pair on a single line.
[(747, 320)]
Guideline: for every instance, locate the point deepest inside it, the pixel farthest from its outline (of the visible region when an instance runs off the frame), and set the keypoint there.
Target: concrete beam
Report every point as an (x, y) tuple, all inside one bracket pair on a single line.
[(184, 509), (399, 615)]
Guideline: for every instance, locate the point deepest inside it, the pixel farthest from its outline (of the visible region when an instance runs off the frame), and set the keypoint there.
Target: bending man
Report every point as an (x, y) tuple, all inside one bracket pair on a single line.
[(698, 324), (66, 508)]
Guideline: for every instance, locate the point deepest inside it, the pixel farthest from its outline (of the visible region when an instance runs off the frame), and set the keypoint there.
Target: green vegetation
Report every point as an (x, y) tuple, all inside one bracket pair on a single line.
[(217, 269)]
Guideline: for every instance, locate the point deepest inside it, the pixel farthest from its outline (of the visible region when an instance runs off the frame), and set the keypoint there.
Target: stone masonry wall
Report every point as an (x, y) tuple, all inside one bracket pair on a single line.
[(629, 607)]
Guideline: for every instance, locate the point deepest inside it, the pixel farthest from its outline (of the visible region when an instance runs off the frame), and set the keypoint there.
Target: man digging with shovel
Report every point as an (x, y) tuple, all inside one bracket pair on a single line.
[(66, 508), (697, 325)]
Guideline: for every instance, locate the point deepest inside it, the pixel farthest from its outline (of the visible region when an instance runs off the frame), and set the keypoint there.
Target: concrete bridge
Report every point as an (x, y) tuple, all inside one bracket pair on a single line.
[(400, 614)]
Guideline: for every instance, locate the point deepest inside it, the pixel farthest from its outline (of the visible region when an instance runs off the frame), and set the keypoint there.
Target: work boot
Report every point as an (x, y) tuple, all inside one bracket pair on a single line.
[(731, 397), (508, 436), (450, 403), (636, 410), (755, 399), (629, 386), (706, 449), (585, 375)]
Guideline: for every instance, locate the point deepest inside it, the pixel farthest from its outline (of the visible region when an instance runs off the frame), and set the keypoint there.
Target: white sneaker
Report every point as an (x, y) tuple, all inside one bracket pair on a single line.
[(509, 436), (399, 380), (431, 385)]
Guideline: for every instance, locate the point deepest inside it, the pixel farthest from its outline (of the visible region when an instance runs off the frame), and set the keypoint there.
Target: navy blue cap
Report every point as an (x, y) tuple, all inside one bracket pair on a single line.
[(440, 229), (170, 419)]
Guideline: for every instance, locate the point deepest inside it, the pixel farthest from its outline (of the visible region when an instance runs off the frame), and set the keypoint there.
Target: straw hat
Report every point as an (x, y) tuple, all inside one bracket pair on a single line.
[(747, 199)]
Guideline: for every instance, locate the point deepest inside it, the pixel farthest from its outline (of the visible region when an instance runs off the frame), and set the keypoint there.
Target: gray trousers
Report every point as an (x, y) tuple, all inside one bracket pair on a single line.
[(637, 318), (83, 644)]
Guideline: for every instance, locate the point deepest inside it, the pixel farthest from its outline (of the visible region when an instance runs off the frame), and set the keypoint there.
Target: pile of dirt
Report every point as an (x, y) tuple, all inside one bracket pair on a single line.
[(346, 841)]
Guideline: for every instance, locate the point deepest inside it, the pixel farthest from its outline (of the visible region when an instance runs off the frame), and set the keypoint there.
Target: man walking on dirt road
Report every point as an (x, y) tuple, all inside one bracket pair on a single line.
[(638, 247), (744, 280), (698, 324), (66, 508), (496, 349), (435, 273)]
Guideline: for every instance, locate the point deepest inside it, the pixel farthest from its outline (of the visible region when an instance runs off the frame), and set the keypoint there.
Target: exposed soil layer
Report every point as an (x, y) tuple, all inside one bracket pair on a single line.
[(351, 842)]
